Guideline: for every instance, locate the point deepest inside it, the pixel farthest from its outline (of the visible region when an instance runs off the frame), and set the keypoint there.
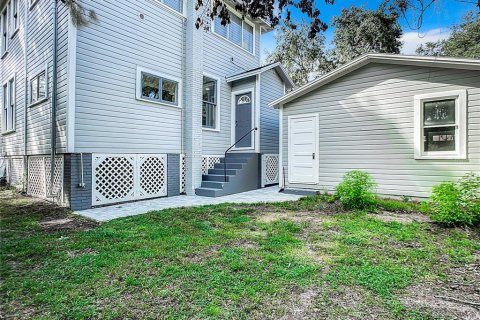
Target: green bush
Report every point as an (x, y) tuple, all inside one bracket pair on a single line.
[(457, 203), (356, 191)]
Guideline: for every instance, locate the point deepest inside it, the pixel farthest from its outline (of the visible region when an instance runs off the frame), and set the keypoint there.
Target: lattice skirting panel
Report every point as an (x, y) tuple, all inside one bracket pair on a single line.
[(39, 183), (14, 169), (208, 162), (126, 177), (183, 173), (270, 172)]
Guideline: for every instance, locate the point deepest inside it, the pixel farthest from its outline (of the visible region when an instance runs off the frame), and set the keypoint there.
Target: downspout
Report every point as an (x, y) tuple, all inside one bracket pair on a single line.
[(25, 115), (53, 128)]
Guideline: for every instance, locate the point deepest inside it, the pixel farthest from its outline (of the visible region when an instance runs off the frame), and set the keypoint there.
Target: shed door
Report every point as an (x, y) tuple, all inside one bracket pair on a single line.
[(303, 149)]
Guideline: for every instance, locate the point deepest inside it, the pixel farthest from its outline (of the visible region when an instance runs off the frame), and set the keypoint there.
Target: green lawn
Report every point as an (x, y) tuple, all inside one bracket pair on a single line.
[(293, 260)]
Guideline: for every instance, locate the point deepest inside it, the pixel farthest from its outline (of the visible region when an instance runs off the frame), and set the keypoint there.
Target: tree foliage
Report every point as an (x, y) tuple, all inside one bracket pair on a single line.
[(464, 41), (302, 59), (359, 31), (78, 14)]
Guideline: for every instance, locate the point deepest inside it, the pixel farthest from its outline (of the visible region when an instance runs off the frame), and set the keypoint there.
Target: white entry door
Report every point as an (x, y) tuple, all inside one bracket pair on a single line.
[(303, 149)]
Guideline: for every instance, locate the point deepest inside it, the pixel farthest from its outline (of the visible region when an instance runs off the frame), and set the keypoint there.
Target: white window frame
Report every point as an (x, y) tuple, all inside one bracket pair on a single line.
[(35, 75), (5, 114), (138, 89), (4, 26), (217, 111), (460, 152), (181, 14), (14, 29), (233, 11), (32, 3)]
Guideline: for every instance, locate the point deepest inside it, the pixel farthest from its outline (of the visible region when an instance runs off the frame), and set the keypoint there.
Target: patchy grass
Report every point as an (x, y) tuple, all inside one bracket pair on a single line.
[(301, 260)]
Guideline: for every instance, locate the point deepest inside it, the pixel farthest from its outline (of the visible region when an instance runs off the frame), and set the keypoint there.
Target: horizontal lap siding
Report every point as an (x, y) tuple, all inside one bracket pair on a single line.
[(217, 60), (109, 119), (271, 88), (366, 123)]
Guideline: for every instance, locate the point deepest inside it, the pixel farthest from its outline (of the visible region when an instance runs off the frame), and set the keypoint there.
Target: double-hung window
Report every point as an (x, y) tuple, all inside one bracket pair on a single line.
[(8, 105), (210, 103), (38, 87), (14, 22), (4, 30), (238, 31), (440, 125), (154, 87)]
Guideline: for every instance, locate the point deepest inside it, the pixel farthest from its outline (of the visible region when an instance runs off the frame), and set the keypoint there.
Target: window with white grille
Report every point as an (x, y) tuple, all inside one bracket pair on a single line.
[(8, 105), (152, 86), (239, 31), (4, 30), (38, 87)]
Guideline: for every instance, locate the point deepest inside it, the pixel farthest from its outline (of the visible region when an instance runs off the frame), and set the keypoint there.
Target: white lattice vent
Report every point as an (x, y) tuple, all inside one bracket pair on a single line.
[(126, 177), (39, 183), (208, 162), (15, 171), (270, 171), (183, 173)]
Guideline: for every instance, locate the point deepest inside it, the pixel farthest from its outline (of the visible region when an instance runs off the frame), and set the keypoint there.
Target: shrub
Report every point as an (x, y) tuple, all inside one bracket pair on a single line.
[(356, 191), (457, 203)]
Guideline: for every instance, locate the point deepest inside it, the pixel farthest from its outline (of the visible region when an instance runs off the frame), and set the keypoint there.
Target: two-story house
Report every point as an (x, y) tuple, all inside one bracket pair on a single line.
[(143, 103)]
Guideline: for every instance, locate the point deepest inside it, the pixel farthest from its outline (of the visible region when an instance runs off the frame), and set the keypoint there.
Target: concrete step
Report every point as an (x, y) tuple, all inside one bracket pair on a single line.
[(215, 177), (234, 160), (208, 192), (213, 184), (229, 165), (231, 172)]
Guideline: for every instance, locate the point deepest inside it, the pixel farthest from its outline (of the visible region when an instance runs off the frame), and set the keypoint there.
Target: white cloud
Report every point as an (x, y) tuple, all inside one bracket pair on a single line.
[(413, 39)]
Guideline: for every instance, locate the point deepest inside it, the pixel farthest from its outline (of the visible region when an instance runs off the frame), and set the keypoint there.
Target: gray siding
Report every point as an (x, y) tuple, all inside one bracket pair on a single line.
[(366, 122), (271, 88), (217, 60), (109, 119)]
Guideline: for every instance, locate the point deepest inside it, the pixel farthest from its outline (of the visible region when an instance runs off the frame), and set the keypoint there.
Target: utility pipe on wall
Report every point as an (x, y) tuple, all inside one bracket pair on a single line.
[(53, 127)]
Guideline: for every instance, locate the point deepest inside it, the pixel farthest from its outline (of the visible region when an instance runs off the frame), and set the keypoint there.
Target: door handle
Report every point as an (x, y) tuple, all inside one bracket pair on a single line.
[(313, 156)]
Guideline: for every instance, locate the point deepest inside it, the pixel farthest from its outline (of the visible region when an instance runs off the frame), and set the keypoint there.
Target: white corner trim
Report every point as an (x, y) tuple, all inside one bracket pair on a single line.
[(460, 152), (71, 87), (256, 109), (280, 148), (219, 101)]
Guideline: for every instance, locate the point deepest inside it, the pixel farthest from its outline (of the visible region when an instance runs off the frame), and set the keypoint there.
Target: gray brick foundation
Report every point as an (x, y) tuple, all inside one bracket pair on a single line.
[(173, 175), (76, 196)]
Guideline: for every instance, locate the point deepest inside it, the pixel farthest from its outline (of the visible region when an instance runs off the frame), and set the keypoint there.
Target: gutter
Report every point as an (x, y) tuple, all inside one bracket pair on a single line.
[(25, 113)]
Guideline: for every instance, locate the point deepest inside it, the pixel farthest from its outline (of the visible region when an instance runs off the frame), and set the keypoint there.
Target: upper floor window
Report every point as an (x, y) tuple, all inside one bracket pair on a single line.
[(8, 105), (210, 109), (440, 125), (238, 31), (4, 30), (176, 5), (155, 87), (38, 88), (14, 22)]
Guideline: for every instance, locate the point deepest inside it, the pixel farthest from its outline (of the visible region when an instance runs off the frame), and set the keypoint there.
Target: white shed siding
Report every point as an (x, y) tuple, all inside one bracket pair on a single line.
[(108, 117), (366, 123), (271, 88), (217, 60)]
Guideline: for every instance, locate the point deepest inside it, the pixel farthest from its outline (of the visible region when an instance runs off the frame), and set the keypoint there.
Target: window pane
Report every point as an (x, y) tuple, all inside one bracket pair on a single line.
[(169, 91), (33, 90), (177, 5), (235, 34), (219, 29), (150, 86), (41, 86), (11, 111), (248, 37), (209, 90), (208, 115), (439, 139), (439, 112)]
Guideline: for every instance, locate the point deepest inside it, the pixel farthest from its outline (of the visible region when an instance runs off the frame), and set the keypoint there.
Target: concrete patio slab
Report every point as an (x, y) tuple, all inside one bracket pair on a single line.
[(264, 195)]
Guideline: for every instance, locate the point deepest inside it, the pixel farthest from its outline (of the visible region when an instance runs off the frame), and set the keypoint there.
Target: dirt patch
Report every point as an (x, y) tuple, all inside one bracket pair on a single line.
[(295, 216), (50, 224), (401, 217), (202, 255), (458, 296), (76, 253), (244, 243)]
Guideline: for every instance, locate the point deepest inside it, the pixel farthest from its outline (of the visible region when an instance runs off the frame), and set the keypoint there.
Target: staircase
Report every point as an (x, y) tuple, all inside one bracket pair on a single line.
[(242, 175)]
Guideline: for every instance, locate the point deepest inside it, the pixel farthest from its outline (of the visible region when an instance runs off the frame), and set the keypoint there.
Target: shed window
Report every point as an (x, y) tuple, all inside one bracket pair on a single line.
[(210, 103), (154, 87), (38, 88), (238, 31), (8, 105), (440, 125)]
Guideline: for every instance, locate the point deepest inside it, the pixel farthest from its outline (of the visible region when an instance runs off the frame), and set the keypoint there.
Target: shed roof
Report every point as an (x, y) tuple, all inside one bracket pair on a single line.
[(253, 72), (436, 62)]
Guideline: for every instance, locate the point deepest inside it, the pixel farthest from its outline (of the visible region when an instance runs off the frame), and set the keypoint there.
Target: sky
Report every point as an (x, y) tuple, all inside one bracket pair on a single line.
[(436, 25)]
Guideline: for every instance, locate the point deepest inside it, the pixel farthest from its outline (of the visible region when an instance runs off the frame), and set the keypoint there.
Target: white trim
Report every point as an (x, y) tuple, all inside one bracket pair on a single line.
[(7, 26), (33, 75), (280, 148), (179, 14), (233, 110), (138, 87), (252, 24), (217, 121), (14, 31), (460, 152), (256, 109), (276, 65), (71, 87), (9, 79), (438, 62), (317, 153)]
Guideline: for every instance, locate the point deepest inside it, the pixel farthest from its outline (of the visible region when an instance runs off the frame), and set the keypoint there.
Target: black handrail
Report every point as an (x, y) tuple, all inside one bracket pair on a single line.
[(233, 145)]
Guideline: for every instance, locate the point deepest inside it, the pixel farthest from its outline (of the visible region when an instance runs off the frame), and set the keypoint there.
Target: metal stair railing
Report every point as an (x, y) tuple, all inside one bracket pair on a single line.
[(226, 151)]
